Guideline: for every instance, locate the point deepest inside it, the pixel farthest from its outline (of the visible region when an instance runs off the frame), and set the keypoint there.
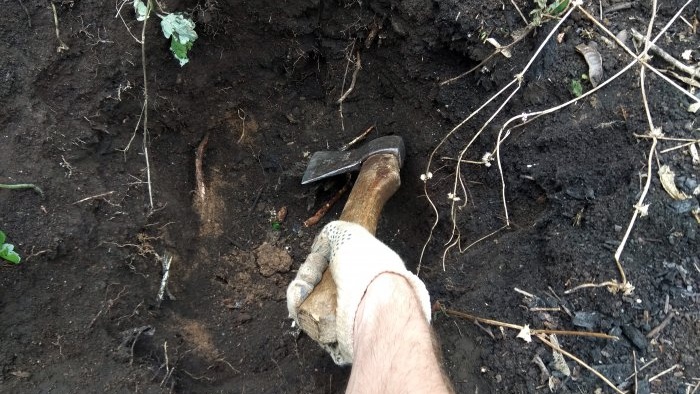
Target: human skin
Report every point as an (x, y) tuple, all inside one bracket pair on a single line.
[(394, 347)]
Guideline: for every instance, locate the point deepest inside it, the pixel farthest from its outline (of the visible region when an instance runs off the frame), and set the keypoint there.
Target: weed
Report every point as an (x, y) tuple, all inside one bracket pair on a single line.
[(576, 88), (175, 26), (7, 251)]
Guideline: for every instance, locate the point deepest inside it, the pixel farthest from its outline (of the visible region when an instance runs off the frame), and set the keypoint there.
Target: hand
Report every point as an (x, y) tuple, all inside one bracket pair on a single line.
[(355, 257)]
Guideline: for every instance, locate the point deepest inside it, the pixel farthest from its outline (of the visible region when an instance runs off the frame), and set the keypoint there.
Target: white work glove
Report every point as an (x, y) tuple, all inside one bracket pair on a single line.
[(356, 257)]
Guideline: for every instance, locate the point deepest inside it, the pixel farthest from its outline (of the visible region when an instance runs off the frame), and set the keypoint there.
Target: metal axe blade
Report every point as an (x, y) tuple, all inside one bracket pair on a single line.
[(330, 163)]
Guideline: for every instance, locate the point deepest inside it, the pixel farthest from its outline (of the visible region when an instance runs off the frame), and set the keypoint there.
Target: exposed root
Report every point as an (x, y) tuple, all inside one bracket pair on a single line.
[(201, 191), (357, 139), (313, 220), (96, 196), (61, 45), (345, 95)]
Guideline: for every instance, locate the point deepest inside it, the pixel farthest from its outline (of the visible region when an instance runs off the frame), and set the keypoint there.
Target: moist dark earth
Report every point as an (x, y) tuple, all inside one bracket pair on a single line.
[(79, 314)]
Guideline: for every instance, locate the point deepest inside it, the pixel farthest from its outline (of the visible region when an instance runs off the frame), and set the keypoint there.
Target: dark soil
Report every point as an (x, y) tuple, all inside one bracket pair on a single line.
[(80, 312)]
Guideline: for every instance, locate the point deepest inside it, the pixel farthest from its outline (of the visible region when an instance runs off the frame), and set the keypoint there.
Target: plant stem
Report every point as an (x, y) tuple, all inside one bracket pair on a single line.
[(20, 186), (145, 104)]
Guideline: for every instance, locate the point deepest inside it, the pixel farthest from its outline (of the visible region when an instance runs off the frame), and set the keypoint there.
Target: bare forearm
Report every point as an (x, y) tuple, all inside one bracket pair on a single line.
[(393, 343)]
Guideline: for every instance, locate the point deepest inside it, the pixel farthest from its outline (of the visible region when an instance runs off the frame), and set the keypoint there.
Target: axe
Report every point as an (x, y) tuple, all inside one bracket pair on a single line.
[(379, 162)]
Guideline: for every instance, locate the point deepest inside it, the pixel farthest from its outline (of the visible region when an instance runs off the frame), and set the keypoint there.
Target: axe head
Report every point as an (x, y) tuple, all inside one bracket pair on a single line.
[(330, 163)]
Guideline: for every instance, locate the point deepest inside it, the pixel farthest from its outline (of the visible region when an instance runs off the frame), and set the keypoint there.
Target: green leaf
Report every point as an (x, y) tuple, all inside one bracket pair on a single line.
[(576, 88), (180, 30), (557, 7), (180, 50), (2, 238), (179, 26), (7, 253), (141, 10)]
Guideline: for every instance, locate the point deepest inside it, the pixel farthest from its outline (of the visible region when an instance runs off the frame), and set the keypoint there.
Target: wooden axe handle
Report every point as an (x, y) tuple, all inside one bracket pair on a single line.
[(377, 182)]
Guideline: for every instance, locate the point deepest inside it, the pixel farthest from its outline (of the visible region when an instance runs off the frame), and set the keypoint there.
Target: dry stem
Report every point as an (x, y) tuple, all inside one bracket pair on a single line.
[(468, 316), (145, 105), (693, 72)]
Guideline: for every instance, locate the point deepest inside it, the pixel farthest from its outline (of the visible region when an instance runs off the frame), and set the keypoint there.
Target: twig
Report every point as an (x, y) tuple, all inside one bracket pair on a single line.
[(93, 197), (327, 206), (580, 362), (610, 285), (198, 172), (693, 72), (20, 186), (165, 261), (467, 316), (662, 373), (26, 11), (642, 368), (656, 330), (62, 45), (357, 139)]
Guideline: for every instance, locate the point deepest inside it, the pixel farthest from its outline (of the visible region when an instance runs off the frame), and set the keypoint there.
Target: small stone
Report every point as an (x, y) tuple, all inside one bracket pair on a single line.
[(243, 318), (635, 336), (684, 206), (585, 319)]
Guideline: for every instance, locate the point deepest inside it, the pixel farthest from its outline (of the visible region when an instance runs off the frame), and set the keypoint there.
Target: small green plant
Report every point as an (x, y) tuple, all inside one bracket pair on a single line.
[(576, 88), (543, 10), (176, 26), (7, 251)]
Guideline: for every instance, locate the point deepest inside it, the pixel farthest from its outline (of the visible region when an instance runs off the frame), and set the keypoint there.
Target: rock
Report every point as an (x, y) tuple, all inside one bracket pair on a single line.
[(586, 319), (635, 336), (272, 259), (684, 206)]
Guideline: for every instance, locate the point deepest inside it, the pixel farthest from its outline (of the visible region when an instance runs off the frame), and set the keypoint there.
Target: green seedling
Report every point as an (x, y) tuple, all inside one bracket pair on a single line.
[(7, 251), (178, 27), (576, 88)]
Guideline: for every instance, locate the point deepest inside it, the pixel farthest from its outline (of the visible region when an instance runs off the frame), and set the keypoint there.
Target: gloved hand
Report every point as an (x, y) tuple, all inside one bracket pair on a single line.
[(356, 257)]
